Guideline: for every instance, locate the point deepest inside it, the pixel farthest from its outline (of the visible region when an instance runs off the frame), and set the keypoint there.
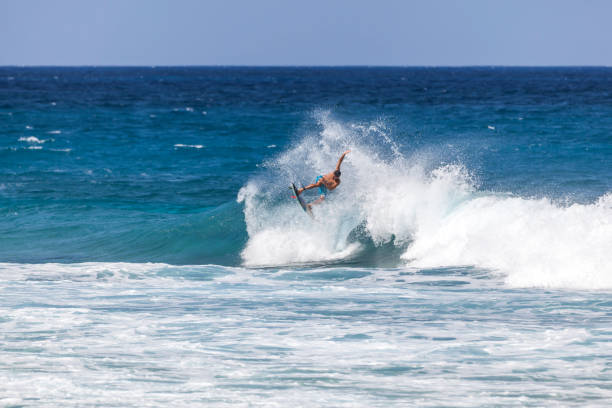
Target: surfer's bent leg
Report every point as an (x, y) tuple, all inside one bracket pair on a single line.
[(318, 200)]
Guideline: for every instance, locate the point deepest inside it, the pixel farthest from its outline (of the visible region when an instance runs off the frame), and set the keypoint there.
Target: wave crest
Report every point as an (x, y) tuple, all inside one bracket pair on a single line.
[(433, 210)]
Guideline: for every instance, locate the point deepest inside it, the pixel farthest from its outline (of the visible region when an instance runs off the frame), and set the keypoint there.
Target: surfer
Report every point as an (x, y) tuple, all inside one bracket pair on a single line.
[(325, 182)]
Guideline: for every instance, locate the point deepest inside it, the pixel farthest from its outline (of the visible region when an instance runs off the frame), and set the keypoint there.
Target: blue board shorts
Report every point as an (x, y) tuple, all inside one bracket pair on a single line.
[(322, 189)]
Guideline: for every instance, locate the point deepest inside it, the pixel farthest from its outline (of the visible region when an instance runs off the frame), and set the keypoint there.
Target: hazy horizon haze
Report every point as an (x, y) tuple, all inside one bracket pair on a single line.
[(278, 33)]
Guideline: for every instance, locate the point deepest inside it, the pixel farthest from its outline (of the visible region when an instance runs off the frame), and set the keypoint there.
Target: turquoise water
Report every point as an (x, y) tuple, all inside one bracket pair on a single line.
[(151, 253)]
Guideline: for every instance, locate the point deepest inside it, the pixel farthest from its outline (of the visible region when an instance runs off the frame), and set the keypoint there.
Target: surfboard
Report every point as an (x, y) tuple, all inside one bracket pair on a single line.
[(300, 200)]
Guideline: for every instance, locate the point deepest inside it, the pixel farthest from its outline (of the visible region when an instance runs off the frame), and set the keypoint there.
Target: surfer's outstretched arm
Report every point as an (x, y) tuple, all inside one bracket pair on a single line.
[(308, 187), (340, 159)]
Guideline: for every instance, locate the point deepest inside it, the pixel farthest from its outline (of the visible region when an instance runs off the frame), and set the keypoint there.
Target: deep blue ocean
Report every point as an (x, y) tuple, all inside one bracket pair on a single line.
[(151, 253)]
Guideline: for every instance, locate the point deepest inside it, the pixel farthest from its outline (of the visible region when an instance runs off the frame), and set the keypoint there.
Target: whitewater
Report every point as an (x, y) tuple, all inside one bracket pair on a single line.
[(434, 212), (151, 253)]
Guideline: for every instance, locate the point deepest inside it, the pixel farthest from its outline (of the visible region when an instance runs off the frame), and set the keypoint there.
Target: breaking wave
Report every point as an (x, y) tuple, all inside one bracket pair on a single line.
[(432, 213)]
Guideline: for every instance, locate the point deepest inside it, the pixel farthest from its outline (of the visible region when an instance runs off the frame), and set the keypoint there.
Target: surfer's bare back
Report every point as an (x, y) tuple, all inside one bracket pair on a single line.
[(325, 182)]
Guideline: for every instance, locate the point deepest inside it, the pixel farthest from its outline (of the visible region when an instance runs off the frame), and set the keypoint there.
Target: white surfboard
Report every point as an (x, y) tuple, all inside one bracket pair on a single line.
[(300, 200)]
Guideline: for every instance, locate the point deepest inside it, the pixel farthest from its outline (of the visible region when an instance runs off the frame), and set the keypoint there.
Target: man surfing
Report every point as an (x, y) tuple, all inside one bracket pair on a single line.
[(325, 183)]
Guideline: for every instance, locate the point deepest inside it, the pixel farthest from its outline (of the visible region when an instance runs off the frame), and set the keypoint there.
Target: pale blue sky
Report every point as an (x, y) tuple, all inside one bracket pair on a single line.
[(313, 32)]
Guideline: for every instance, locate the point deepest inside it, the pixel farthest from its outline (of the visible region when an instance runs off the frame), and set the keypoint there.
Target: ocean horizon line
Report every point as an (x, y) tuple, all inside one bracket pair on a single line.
[(299, 66)]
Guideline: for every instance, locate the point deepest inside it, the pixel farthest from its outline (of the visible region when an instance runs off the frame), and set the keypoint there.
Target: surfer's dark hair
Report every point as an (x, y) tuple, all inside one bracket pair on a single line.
[(337, 173)]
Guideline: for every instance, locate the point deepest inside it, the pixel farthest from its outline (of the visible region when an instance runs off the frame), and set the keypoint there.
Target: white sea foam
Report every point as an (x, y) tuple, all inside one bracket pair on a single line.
[(279, 236), (32, 139), (186, 146), (435, 211), (87, 271), (159, 338), (54, 132), (534, 242)]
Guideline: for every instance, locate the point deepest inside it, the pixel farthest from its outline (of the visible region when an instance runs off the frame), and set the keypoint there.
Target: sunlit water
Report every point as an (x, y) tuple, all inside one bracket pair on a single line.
[(152, 254)]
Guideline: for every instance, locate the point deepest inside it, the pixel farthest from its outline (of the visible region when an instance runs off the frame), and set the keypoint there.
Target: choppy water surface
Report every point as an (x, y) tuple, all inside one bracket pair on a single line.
[(152, 254), (121, 334)]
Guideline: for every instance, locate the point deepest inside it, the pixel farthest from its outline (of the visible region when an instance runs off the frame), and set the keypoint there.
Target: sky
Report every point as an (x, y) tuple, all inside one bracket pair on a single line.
[(299, 32)]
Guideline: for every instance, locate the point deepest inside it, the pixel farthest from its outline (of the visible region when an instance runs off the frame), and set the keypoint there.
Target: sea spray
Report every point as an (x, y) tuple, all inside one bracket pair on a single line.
[(381, 190), (434, 211)]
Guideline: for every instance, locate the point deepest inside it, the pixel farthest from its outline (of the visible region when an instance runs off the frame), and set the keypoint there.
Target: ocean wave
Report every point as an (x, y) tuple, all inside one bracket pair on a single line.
[(535, 242), (433, 211), (202, 236)]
